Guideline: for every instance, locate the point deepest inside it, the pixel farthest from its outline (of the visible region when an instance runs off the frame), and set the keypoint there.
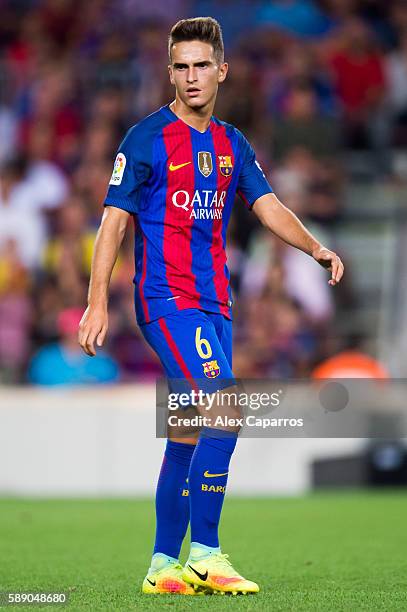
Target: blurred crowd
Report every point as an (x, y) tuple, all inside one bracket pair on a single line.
[(309, 81)]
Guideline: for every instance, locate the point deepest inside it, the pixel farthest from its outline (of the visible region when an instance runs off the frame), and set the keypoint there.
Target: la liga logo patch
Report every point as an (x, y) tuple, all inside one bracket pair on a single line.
[(211, 369), (118, 169)]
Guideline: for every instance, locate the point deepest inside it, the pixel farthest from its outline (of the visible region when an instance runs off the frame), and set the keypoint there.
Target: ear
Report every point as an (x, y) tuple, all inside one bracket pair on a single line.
[(223, 70), (171, 73)]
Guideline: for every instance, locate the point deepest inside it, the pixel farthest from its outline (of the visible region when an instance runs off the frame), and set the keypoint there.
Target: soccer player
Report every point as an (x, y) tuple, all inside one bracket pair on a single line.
[(176, 173)]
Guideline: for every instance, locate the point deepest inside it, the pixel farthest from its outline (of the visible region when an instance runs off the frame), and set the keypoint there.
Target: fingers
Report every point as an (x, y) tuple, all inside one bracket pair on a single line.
[(90, 344), (337, 271), (334, 269), (92, 328), (88, 335), (340, 271), (101, 337), (330, 261), (86, 340)]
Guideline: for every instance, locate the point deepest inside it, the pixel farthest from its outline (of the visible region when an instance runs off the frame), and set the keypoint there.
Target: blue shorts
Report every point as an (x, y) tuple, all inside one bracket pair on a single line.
[(195, 345)]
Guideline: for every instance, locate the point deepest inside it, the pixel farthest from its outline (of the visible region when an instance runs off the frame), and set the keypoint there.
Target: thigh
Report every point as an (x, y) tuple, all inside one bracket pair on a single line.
[(188, 346)]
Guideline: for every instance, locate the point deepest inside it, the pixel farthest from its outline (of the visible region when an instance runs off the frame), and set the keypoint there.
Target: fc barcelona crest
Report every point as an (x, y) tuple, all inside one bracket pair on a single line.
[(225, 165), (205, 163), (211, 369)]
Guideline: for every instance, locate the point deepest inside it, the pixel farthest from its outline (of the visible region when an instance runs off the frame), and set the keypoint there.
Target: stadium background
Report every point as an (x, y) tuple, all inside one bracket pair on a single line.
[(320, 89)]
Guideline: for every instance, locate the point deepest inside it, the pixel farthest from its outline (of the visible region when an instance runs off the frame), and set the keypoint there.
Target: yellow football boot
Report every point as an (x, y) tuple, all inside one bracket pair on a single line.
[(216, 574), (165, 577)]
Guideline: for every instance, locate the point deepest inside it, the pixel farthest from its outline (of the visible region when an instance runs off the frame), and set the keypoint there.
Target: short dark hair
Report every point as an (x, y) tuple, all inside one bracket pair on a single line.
[(205, 29)]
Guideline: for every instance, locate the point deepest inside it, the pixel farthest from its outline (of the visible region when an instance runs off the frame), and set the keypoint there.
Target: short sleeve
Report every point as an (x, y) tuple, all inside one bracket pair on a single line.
[(131, 170), (252, 183)]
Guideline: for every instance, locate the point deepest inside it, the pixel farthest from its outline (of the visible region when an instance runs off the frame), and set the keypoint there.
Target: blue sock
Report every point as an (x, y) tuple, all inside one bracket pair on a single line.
[(207, 483), (172, 501)]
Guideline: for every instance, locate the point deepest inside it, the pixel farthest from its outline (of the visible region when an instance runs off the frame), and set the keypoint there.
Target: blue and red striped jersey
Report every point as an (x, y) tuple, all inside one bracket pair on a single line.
[(180, 184)]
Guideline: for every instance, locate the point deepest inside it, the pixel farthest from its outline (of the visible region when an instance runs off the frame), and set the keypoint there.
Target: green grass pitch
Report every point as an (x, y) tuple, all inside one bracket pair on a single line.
[(325, 552)]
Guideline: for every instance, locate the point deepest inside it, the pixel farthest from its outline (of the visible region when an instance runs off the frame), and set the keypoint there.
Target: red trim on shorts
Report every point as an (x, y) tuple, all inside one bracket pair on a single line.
[(173, 347)]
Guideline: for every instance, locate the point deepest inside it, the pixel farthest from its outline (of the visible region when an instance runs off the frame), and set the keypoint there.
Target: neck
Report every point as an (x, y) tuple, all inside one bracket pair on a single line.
[(198, 118)]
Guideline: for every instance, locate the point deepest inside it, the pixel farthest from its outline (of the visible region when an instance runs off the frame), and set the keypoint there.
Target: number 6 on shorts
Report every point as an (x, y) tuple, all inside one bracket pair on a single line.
[(202, 342)]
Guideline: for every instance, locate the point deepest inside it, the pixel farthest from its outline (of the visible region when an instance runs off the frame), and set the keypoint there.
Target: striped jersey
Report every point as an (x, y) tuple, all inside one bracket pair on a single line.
[(179, 185)]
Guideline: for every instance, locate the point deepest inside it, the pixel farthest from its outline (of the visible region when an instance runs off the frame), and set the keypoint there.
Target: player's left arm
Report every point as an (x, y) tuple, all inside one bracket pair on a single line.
[(284, 223)]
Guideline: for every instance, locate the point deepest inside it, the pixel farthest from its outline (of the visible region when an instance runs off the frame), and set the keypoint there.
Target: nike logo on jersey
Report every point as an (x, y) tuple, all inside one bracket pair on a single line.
[(207, 475), (173, 167), (201, 576)]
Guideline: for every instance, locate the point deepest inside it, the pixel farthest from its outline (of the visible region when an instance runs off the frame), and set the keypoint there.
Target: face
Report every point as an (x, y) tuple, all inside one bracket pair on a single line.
[(196, 73)]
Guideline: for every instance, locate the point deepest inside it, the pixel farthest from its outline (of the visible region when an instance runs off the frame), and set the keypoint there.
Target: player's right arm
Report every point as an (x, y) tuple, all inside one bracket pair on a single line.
[(94, 323), (132, 169)]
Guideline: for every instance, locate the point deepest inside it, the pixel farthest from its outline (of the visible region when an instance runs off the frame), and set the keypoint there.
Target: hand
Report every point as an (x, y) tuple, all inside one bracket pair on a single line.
[(93, 326), (329, 260)]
